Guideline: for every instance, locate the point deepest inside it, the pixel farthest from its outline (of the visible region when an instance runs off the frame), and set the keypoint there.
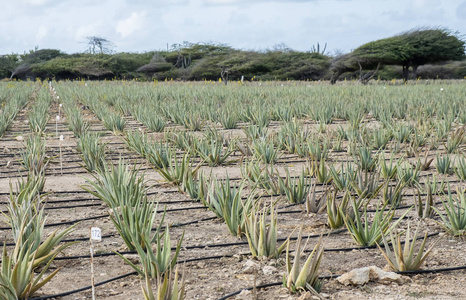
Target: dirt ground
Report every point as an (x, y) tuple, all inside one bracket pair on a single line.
[(228, 268)]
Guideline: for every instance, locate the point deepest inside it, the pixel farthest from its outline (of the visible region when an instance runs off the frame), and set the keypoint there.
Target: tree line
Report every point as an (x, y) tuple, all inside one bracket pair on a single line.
[(421, 53)]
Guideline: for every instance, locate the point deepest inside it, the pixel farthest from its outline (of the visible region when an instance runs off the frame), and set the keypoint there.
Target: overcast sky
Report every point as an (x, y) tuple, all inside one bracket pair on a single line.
[(145, 25)]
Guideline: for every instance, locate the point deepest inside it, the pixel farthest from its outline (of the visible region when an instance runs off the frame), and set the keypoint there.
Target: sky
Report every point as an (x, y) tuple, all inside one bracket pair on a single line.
[(147, 25)]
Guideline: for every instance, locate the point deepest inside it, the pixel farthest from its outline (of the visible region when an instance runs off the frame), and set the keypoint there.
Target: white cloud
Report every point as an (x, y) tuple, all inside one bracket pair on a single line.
[(35, 2), (132, 24), (42, 32), (83, 31)]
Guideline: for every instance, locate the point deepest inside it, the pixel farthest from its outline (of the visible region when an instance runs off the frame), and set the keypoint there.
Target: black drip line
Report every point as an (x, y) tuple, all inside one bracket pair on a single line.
[(107, 215), (97, 199)]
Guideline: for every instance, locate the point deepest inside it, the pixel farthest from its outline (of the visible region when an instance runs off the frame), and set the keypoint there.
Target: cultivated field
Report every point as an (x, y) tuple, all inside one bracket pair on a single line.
[(231, 178)]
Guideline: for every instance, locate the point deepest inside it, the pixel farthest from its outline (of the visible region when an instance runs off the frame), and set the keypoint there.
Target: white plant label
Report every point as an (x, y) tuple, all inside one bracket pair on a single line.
[(61, 137), (58, 117), (61, 105), (96, 234)]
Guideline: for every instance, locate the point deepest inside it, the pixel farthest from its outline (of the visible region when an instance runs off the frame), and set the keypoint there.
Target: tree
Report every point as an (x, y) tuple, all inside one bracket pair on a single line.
[(157, 64), (34, 57), (99, 44), (410, 49), (8, 63)]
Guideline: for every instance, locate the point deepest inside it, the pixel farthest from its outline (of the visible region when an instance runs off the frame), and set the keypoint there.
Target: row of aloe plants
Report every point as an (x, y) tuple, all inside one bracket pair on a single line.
[(39, 115), (132, 213), (25, 269), (13, 98)]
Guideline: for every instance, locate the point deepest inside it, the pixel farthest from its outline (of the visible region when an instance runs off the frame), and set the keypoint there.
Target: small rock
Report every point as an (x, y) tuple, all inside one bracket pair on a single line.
[(249, 267), (244, 295), (134, 258), (305, 296), (201, 265), (364, 275), (6, 150), (324, 295), (269, 270), (19, 138)]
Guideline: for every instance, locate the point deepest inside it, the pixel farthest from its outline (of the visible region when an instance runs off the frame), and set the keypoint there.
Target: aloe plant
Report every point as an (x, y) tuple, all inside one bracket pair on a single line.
[(93, 152), (254, 132), (262, 235), (38, 115), (402, 132), (213, 153), (193, 121), (454, 221), (27, 221), (405, 258), (262, 176), (305, 277), (342, 179), (336, 212), (137, 141), (393, 195), (225, 201), (168, 287), (460, 168), (455, 140), (175, 171), (433, 186), (366, 185), (443, 164), (76, 122), (159, 155), (33, 157), (18, 279), (320, 170), (424, 164), (260, 117), (114, 123), (11, 108), (228, 119), (296, 188), (380, 139), (364, 159), (152, 120), (265, 151), (314, 204), (408, 174), (158, 261), (195, 185), (284, 113), (367, 233), (184, 140), (424, 209)]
